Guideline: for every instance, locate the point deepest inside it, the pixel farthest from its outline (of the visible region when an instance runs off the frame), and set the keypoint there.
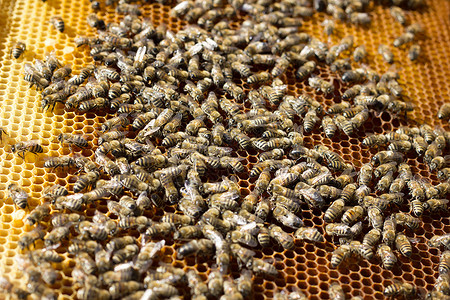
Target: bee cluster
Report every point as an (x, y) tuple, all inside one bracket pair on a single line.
[(180, 116)]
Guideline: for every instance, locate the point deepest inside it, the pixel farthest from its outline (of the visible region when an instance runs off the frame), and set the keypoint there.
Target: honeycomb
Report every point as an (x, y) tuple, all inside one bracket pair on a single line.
[(307, 266)]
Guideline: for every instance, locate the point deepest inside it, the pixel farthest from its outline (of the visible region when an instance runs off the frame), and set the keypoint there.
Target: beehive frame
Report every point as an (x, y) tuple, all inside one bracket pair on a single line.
[(307, 266)]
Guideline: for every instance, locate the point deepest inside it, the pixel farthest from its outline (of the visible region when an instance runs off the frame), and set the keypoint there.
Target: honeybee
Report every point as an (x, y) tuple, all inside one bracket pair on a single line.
[(415, 28), (375, 216), (419, 144), (404, 38), (215, 283), (284, 239), (30, 237), (365, 174), (440, 240), (61, 73), (335, 210), (73, 139), (203, 246), (434, 205), (385, 182), (322, 85), (120, 120), (329, 127), (400, 288), (414, 52), (309, 194), (235, 91), (243, 238), (56, 235), (18, 195), (57, 22), (372, 237), (89, 292), (386, 53), (17, 50), (263, 268), (383, 157), (388, 258), (147, 253), (309, 233), (28, 146), (336, 229), (359, 53), (340, 254), (340, 107), (444, 263), (444, 111), (415, 189), (407, 220), (305, 70), (37, 214)]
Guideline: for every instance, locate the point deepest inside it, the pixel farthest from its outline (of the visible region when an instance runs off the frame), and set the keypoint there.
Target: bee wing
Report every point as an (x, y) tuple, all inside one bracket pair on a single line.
[(250, 227), (123, 266), (140, 53), (29, 69)]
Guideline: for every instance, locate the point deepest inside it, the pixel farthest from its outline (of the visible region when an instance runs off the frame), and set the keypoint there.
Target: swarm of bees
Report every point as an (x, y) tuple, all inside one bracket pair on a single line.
[(178, 116)]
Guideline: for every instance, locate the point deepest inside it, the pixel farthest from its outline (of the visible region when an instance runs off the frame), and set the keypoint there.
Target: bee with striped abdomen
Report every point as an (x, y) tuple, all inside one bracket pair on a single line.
[(18, 49)]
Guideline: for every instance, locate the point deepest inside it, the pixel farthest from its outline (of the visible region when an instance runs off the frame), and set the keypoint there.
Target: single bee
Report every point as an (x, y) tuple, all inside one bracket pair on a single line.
[(383, 157), (59, 220), (434, 205), (375, 216), (405, 38), (386, 54), (328, 26), (336, 229), (94, 22), (261, 267), (414, 52), (329, 127), (30, 237), (403, 245), (444, 111), (385, 182), (57, 22), (340, 254), (400, 288), (359, 53), (56, 235), (386, 255), (419, 144), (374, 140), (444, 263), (91, 292), (34, 77), (203, 246), (407, 220), (415, 189), (372, 237), (85, 180), (235, 91), (18, 49), (322, 85), (243, 238), (440, 240), (309, 233), (38, 214), (305, 70), (334, 211), (340, 107), (283, 238), (336, 292), (415, 28), (352, 214), (120, 120), (73, 139), (18, 195)]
